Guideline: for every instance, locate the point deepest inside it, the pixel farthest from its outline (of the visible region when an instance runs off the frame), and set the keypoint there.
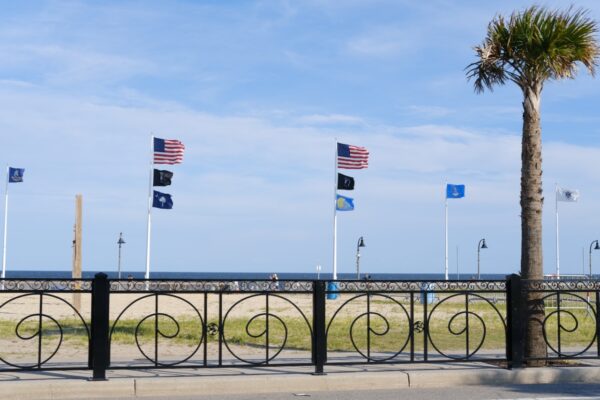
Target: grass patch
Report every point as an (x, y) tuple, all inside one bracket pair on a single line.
[(447, 329), (73, 330)]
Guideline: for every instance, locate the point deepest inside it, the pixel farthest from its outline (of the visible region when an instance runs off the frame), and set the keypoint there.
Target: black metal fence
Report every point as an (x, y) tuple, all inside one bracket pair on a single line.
[(105, 324)]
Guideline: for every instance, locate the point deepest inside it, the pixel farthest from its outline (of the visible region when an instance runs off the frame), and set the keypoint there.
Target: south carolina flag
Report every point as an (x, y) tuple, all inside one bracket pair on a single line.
[(162, 200)]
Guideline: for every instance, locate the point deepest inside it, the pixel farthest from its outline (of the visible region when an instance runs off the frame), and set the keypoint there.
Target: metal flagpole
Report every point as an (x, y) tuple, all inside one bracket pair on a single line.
[(457, 271), (335, 212), (147, 275), (5, 226), (557, 242), (446, 233)]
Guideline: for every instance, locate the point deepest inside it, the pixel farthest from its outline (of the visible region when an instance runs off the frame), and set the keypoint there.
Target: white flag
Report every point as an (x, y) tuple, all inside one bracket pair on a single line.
[(563, 194)]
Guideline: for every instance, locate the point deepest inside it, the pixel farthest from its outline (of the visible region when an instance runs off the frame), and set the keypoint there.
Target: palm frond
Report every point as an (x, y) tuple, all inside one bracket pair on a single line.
[(488, 70), (533, 46)]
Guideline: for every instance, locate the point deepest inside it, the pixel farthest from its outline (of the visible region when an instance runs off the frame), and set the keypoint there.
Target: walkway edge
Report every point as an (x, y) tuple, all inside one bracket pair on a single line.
[(442, 378), (296, 383), (208, 385)]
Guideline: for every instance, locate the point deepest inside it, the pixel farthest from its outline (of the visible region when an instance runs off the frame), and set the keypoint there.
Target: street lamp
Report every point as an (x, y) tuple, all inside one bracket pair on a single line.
[(595, 248), (361, 243), (120, 242), (480, 246)]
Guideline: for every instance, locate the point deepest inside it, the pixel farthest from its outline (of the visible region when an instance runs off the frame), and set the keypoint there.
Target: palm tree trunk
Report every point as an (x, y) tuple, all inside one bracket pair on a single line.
[(531, 221)]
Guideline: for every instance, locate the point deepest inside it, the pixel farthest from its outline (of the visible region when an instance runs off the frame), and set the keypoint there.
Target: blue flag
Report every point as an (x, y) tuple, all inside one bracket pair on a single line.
[(344, 203), (455, 191), (162, 200), (15, 175)]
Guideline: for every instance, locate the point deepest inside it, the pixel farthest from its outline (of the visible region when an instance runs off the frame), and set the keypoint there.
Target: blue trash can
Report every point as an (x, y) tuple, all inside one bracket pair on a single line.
[(332, 288), (429, 297)]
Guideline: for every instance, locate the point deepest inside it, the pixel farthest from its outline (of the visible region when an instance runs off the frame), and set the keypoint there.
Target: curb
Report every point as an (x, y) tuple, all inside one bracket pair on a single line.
[(67, 389), (289, 383)]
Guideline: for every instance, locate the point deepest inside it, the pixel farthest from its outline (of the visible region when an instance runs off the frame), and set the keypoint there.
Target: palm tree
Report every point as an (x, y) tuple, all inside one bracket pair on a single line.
[(530, 48)]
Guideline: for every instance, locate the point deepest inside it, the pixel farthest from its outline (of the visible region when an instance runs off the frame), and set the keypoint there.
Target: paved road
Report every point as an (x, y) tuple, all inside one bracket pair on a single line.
[(546, 392)]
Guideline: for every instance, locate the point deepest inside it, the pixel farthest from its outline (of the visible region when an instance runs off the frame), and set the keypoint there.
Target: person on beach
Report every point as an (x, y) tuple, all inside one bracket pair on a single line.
[(129, 281), (275, 281)]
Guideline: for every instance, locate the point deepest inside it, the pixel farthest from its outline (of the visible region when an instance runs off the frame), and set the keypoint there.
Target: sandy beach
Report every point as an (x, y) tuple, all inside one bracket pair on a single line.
[(134, 305)]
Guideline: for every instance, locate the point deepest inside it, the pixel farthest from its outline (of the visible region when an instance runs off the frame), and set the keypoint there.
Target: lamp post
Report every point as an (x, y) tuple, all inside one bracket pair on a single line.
[(595, 248), (318, 271), (120, 242), (480, 246), (361, 243)]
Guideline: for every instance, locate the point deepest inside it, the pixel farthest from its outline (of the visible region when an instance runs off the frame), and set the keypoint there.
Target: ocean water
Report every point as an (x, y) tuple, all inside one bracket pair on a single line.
[(29, 274)]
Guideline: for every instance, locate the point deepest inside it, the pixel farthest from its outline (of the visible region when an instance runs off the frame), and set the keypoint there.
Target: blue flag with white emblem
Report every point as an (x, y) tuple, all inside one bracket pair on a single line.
[(15, 175), (344, 203), (162, 200), (455, 191)]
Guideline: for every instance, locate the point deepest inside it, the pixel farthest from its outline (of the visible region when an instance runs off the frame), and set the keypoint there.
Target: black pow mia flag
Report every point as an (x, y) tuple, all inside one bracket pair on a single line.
[(162, 177), (345, 182)]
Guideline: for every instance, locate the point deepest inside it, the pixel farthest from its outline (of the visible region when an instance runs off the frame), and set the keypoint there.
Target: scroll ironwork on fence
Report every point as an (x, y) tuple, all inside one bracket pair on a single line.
[(124, 324)]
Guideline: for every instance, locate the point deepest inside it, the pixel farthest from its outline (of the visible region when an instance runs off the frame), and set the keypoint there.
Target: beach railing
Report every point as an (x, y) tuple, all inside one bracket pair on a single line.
[(141, 324)]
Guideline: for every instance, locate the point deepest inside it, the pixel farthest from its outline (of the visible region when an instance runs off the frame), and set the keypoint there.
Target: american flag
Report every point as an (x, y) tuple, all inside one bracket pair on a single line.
[(168, 151), (352, 157)]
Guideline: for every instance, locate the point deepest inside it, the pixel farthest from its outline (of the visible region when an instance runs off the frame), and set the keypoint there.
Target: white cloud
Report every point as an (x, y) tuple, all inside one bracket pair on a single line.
[(67, 65), (382, 42), (326, 119), (16, 83)]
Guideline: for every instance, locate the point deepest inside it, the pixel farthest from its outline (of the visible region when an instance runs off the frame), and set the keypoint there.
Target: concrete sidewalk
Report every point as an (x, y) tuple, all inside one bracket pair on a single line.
[(186, 382)]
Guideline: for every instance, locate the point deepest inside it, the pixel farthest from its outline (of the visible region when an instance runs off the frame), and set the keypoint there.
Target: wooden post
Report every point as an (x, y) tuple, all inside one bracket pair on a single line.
[(77, 250)]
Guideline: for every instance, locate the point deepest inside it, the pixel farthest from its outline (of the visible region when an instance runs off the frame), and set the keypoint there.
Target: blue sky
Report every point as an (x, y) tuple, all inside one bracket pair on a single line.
[(258, 91)]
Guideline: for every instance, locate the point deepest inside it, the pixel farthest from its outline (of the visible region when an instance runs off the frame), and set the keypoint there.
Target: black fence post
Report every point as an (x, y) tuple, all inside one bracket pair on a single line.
[(319, 342), (99, 343), (515, 321)]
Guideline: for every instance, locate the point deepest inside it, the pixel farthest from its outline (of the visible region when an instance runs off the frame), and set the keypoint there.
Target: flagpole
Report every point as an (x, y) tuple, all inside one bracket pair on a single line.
[(335, 211), (446, 233), (5, 226), (557, 241), (149, 230)]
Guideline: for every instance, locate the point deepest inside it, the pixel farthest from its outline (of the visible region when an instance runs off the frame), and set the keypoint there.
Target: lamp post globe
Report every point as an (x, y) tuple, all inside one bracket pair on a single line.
[(597, 247), (359, 244), (480, 245), (120, 242)]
